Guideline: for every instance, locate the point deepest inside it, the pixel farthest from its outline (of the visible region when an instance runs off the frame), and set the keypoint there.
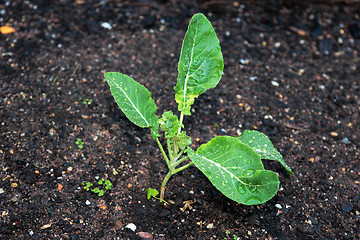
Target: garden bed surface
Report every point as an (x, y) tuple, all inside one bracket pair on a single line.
[(291, 71)]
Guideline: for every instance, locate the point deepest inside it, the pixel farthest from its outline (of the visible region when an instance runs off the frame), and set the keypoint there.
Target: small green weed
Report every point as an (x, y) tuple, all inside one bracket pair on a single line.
[(100, 187), (79, 143), (86, 101)]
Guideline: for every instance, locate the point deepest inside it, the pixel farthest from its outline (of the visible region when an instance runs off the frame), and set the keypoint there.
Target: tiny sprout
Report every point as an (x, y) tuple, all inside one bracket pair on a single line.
[(79, 143), (101, 187)]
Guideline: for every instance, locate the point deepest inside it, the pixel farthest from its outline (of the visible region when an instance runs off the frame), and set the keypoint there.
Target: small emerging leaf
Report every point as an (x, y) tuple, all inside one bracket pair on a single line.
[(170, 124), (101, 193), (182, 140), (101, 181), (201, 63), (134, 100), (152, 193), (263, 146), (235, 170)]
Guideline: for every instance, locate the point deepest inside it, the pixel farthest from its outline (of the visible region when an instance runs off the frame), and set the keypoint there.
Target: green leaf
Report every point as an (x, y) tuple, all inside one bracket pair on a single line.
[(101, 193), (263, 146), (151, 193), (101, 181), (182, 140), (200, 65), (108, 185), (170, 124), (235, 170), (134, 100)]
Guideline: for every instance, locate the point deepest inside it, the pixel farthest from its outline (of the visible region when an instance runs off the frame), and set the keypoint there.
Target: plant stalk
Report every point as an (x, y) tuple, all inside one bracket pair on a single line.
[(163, 153), (183, 167), (166, 179), (181, 121)]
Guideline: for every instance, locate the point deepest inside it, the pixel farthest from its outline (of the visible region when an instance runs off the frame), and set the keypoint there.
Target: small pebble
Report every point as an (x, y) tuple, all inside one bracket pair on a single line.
[(346, 207), (244, 61), (131, 226), (46, 226), (345, 140), (1, 190), (333, 134), (253, 78), (87, 202), (325, 45), (275, 83), (210, 226), (278, 206), (145, 235), (14, 185), (118, 224), (164, 213), (106, 25)]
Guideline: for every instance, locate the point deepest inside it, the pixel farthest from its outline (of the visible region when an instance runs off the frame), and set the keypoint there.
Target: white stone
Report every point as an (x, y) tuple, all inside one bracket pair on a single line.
[(278, 206), (131, 226), (275, 83), (106, 25)]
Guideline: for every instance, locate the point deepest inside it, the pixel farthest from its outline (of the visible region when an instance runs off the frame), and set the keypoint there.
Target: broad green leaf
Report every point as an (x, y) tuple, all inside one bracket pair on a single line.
[(201, 63), (235, 170), (134, 100), (263, 146)]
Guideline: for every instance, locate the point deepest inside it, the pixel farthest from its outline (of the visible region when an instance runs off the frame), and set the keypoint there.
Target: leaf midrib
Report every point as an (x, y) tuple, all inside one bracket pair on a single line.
[(119, 87), (221, 167), (188, 71)]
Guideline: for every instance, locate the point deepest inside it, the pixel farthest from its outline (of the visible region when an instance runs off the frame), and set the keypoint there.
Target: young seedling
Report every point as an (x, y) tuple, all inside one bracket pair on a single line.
[(79, 143), (101, 186), (86, 101), (232, 164)]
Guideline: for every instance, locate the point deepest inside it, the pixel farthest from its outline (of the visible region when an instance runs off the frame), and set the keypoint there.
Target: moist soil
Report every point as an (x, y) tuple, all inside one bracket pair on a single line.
[(291, 71)]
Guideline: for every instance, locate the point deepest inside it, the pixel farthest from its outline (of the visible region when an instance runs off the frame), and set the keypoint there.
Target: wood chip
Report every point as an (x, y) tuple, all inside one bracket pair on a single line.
[(299, 31), (6, 30), (60, 187), (45, 226), (334, 134)]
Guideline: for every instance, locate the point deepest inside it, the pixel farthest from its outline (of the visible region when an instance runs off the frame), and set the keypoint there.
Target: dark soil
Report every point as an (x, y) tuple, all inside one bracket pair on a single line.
[(291, 71)]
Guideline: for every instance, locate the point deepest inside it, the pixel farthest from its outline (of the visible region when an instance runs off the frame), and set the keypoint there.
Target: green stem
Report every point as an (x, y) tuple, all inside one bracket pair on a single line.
[(163, 153), (183, 167), (170, 151), (181, 120), (166, 179), (180, 161), (176, 150), (180, 153)]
